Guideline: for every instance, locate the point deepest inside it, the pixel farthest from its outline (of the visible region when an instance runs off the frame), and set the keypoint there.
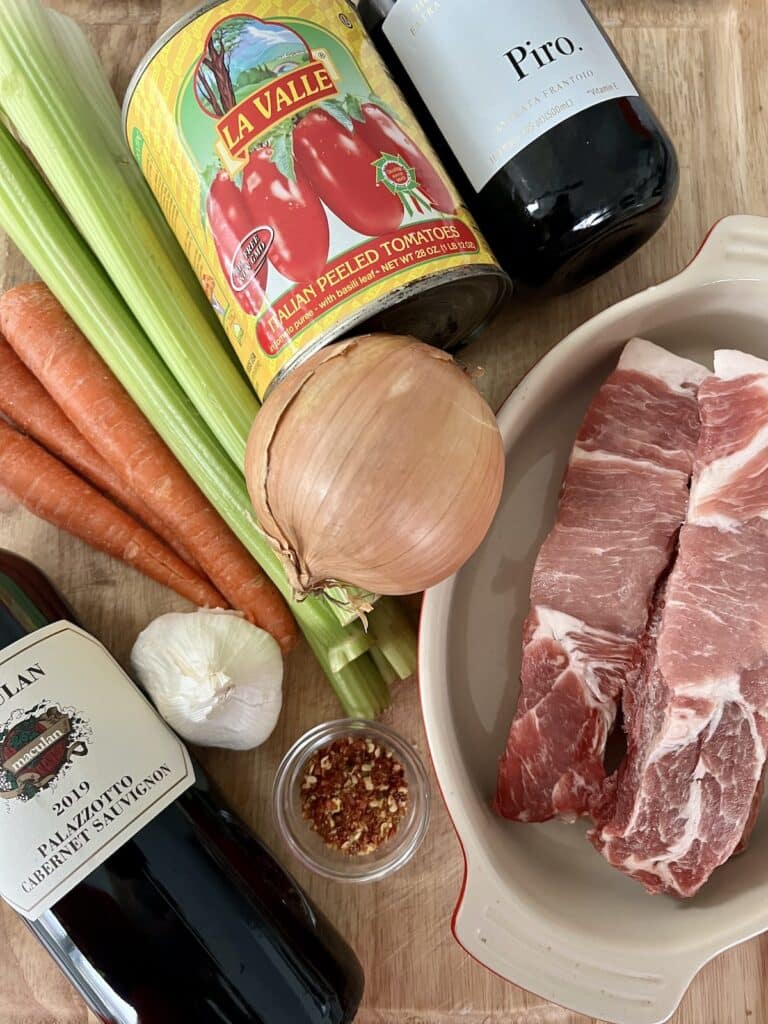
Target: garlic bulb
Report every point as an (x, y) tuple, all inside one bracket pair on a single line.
[(376, 463), (213, 676)]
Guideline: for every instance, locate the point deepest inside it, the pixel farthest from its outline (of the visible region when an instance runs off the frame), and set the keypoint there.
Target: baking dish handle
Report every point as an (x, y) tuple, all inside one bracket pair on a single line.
[(503, 934), (736, 248)]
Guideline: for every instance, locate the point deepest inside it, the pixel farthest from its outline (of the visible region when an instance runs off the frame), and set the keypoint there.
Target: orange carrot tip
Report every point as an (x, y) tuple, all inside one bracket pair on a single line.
[(75, 376), (51, 491)]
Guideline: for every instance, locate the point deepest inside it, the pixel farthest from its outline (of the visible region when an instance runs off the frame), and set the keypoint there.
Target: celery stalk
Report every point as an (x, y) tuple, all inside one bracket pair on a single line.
[(367, 692), (104, 193), (386, 671), (392, 636), (45, 235), (85, 65), (356, 645), (54, 91), (65, 109)]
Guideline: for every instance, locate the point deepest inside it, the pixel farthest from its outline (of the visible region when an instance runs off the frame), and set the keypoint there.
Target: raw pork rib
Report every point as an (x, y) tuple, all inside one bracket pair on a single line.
[(686, 796), (623, 501)]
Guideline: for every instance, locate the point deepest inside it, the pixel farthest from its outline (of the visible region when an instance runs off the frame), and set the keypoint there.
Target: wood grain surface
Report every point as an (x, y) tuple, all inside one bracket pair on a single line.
[(702, 63)]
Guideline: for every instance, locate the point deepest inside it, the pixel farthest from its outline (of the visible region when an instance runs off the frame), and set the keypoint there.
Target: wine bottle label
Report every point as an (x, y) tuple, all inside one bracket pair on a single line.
[(85, 763), (498, 74)]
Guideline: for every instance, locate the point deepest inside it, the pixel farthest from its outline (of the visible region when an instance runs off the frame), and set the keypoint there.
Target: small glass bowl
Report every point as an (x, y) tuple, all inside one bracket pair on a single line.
[(307, 845)]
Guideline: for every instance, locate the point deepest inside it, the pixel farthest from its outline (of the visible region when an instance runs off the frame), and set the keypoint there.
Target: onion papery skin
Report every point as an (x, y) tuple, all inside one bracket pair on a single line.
[(376, 463)]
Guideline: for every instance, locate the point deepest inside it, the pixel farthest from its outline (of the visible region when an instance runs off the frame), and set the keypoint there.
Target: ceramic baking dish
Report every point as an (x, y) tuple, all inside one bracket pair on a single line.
[(539, 906)]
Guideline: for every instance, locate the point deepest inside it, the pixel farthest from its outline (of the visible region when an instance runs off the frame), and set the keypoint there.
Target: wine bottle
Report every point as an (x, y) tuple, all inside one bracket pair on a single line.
[(170, 916), (562, 162)]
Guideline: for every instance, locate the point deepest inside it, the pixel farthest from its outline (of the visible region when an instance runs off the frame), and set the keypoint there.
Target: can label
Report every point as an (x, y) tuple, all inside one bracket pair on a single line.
[(296, 179), (85, 763)]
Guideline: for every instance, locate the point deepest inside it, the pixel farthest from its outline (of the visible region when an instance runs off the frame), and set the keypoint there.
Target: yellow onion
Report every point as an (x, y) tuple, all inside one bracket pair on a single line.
[(376, 463)]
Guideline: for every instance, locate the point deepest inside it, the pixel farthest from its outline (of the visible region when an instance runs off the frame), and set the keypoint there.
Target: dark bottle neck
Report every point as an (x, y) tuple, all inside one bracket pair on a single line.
[(373, 12), (28, 600)]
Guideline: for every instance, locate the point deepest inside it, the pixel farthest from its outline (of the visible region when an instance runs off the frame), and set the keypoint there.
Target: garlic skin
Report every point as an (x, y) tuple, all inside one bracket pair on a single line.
[(213, 676)]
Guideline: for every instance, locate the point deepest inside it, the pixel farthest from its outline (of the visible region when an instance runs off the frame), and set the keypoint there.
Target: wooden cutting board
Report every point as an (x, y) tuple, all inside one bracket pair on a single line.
[(702, 63)]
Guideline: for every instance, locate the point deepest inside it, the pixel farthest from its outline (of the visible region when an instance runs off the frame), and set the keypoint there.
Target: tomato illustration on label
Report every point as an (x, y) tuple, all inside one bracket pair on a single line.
[(292, 209), (241, 249), (384, 134), (339, 164), (299, 184)]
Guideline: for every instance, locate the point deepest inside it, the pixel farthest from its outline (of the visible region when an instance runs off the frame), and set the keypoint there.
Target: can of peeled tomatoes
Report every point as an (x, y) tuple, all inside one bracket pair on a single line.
[(300, 186)]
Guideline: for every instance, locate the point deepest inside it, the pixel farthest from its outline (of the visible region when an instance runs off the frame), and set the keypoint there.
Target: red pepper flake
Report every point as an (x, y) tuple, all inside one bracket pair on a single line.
[(354, 794)]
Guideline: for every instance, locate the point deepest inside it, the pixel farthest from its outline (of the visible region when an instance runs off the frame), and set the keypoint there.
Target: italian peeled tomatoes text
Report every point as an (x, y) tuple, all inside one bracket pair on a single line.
[(370, 262), (90, 821)]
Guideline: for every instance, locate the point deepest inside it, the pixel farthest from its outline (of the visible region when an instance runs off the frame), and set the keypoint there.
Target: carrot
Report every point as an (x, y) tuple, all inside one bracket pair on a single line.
[(59, 355), (50, 490), (28, 406)]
